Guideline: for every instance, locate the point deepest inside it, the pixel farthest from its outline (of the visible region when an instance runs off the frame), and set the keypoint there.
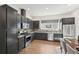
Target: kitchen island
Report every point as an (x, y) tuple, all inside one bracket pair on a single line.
[(72, 46)]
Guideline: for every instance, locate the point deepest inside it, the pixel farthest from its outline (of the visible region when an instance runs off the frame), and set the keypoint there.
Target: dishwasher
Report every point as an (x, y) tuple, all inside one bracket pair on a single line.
[(50, 36)]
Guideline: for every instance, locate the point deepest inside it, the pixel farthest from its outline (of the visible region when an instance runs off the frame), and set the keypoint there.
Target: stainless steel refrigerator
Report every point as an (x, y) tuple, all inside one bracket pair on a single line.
[(8, 39)]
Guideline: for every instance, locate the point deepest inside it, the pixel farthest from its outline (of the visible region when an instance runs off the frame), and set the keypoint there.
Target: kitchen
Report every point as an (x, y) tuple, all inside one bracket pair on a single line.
[(22, 33)]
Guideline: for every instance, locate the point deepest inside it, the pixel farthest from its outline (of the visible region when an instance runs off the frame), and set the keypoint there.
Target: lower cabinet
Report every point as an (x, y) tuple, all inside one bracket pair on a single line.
[(47, 36), (43, 36), (21, 43), (56, 36)]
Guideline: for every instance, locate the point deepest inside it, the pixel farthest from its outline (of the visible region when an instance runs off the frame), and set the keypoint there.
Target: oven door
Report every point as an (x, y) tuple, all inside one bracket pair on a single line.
[(28, 40)]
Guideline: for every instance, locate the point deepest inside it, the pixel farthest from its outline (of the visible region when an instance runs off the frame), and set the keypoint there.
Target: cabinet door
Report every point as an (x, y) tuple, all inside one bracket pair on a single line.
[(40, 36), (36, 36), (36, 24), (44, 36), (21, 43), (58, 35), (70, 20), (32, 35), (30, 22), (12, 45)]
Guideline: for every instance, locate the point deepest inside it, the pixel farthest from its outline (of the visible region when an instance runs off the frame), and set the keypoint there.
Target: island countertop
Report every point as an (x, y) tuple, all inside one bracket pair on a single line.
[(73, 43)]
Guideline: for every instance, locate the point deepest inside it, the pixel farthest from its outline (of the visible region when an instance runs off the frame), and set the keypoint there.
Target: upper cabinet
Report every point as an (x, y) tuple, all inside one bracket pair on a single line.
[(35, 24), (30, 23), (70, 20), (23, 12)]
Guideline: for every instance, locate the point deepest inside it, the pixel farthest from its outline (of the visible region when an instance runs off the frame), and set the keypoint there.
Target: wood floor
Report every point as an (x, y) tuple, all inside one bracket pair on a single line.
[(41, 47)]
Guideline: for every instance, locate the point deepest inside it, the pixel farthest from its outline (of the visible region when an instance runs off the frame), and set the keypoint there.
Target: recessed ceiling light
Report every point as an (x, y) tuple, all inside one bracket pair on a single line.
[(28, 9), (46, 8), (69, 4)]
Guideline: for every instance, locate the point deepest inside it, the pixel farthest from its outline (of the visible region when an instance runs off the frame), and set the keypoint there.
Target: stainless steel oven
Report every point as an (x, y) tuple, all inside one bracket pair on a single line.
[(28, 40)]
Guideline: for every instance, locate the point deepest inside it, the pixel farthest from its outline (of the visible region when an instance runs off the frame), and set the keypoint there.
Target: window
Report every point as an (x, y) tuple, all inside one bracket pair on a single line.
[(69, 30), (50, 24)]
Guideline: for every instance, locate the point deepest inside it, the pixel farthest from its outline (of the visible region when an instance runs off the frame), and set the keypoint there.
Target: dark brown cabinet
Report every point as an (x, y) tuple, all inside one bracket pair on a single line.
[(43, 36), (30, 22), (8, 30), (20, 43), (23, 12), (35, 24), (70, 20), (56, 35)]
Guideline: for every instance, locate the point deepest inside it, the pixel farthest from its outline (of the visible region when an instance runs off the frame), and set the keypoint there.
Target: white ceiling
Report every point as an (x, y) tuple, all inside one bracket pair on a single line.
[(46, 9)]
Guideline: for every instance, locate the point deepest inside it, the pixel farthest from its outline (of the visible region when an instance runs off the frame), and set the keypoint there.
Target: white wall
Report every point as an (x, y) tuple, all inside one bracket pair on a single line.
[(52, 17), (76, 14)]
